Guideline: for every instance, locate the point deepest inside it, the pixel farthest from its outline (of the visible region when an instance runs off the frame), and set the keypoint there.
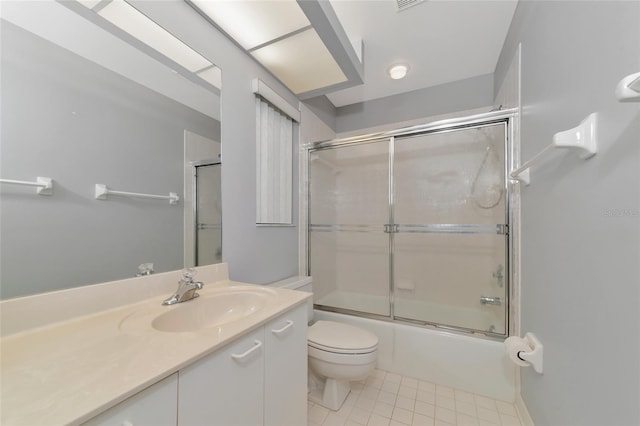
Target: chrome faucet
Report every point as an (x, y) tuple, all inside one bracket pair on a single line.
[(186, 288)]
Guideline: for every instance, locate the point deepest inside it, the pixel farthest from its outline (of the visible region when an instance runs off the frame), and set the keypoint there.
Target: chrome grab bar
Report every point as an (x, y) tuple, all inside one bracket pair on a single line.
[(484, 300)]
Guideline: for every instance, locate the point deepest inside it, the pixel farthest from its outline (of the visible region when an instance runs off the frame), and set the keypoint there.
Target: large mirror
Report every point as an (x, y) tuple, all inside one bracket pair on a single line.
[(90, 101)]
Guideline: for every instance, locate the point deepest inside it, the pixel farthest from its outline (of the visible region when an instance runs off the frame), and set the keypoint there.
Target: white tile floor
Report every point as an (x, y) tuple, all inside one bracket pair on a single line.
[(387, 399)]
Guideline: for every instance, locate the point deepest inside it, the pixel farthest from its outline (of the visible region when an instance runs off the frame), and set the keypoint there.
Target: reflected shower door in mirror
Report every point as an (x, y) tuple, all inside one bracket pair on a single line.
[(84, 102), (348, 207), (208, 211), (203, 200)]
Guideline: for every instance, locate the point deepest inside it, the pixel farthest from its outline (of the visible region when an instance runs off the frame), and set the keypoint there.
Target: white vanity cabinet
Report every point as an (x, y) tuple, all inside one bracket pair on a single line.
[(155, 406), (225, 388), (285, 387), (112, 354), (259, 379)]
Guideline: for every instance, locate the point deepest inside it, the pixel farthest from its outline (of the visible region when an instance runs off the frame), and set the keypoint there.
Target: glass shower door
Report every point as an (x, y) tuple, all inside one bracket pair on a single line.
[(348, 231), (450, 232)]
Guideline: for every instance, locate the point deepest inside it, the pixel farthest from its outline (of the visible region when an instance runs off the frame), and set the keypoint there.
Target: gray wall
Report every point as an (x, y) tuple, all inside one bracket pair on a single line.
[(255, 254), (322, 108), (580, 219), (459, 95), (66, 118)]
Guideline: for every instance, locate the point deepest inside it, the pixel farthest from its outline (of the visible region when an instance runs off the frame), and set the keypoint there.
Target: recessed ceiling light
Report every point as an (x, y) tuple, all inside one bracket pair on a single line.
[(398, 71)]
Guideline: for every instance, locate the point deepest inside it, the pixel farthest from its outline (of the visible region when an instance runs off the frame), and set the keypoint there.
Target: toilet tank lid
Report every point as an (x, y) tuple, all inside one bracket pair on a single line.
[(341, 336)]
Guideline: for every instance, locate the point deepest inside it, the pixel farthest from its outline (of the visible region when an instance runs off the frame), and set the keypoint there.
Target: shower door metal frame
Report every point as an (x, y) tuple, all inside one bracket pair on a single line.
[(505, 117)]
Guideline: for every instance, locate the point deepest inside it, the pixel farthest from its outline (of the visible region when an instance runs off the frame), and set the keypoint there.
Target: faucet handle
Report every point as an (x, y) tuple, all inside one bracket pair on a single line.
[(145, 269), (188, 274)]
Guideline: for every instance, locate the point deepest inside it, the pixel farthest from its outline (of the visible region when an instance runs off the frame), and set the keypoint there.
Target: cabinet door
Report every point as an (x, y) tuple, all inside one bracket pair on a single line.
[(286, 369), (225, 388), (154, 406)]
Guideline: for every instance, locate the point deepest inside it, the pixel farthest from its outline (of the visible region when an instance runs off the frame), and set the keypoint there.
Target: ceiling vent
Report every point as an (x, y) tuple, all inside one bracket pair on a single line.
[(405, 4)]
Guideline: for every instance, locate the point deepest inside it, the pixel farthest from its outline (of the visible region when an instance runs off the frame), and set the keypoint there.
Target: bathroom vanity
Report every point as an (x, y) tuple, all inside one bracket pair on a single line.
[(234, 355)]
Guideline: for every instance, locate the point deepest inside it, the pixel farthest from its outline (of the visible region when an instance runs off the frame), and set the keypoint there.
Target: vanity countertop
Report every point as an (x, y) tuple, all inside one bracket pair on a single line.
[(70, 371)]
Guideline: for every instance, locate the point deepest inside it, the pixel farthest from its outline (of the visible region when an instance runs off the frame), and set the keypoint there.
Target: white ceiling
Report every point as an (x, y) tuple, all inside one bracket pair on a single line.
[(441, 41)]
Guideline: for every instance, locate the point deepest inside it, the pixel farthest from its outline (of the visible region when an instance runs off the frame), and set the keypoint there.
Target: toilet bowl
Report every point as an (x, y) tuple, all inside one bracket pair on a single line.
[(338, 353)]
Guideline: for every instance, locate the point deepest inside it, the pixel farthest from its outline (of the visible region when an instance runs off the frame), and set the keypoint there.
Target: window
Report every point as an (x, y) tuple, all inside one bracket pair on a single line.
[(274, 157)]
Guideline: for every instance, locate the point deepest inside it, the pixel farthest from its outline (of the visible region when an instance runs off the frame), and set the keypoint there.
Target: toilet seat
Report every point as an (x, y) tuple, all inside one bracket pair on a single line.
[(341, 350), (339, 338), (338, 358)]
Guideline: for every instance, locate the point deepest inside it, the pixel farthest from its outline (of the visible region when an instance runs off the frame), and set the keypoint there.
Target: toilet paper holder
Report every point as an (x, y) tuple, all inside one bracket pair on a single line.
[(535, 356), (532, 356)]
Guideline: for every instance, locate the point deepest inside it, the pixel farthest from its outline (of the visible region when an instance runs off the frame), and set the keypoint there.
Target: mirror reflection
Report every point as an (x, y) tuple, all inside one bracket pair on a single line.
[(88, 101)]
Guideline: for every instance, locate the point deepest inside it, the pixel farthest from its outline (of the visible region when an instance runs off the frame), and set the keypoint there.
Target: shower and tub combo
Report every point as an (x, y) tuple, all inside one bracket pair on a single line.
[(408, 236)]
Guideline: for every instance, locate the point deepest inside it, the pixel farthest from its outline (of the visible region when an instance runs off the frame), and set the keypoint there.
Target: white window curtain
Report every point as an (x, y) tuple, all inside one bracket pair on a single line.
[(274, 161)]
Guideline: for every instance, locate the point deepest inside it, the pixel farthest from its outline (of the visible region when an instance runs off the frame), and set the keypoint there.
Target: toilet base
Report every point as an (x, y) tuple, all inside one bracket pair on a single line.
[(332, 395)]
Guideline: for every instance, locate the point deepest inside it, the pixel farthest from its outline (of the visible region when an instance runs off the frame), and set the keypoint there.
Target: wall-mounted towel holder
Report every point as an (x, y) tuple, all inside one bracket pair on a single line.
[(583, 139), (44, 184), (628, 89), (102, 191)]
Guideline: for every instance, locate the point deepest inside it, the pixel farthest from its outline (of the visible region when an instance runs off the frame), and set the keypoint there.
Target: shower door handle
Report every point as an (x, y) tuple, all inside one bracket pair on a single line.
[(484, 300), (390, 228)]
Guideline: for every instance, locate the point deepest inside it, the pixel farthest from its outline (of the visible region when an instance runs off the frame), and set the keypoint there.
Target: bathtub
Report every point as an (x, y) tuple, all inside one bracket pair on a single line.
[(472, 364)]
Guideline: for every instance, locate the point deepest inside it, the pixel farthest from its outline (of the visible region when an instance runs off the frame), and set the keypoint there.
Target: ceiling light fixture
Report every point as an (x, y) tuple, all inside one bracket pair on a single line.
[(278, 35), (130, 20), (398, 71), (254, 23)]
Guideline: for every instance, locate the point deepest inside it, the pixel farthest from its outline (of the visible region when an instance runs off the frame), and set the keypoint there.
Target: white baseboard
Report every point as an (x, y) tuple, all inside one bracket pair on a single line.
[(523, 412)]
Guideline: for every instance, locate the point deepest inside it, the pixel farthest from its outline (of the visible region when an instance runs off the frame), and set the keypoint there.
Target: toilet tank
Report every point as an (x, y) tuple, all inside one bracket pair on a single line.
[(300, 283)]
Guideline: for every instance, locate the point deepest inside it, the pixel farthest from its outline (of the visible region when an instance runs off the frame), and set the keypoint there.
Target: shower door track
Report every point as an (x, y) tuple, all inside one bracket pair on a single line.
[(506, 117), (452, 124), (422, 228), (409, 321)]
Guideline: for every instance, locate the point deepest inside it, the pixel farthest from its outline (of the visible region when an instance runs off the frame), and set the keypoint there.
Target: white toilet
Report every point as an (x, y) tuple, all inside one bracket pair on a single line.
[(338, 353)]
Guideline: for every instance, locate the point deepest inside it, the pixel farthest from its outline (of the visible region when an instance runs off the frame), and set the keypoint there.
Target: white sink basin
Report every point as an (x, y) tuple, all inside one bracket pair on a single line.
[(210, 309)]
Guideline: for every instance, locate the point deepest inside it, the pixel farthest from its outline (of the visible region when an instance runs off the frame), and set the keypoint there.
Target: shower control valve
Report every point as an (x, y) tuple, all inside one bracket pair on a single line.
[(499, 275)]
